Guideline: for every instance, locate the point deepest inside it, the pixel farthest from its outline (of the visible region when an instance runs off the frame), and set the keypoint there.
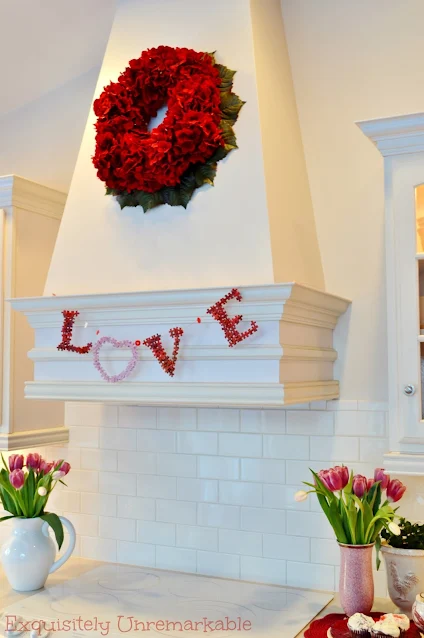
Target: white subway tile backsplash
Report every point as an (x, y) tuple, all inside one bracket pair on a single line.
[(118, 439), (286, 446), (258, 519), (117, 483), (139, 417), (195, 537), (157, 486), (263, 421), (309, 422), (138, 462), (136, 554), (372, 449), (99, 460), (240, 445), (219, 467), (83, 481), (236, 542), (177, 418), (218, 420), (212, 490), (119, 528), (156, 533), (99, 548), (213, 515), (235, 493), (136, 507), (308, 524), (183, 512), (336, 448), (360, 423), (263, 570), (286, 547), (197, 442), (156, 441), (177, 465), (84, 437), (282, 497), (176, 558), (99, 504), (86, 524), (325, 552), (263, 470), (320, 577), (199, 490), (91, 414), (217, 564)]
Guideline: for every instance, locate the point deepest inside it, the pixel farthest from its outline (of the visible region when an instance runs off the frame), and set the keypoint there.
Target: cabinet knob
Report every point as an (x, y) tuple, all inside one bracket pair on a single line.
[(409, 390)]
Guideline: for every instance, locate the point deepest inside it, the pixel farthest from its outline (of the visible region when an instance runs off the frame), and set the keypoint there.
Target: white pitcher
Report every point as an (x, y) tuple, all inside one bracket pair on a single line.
[(28, 557)]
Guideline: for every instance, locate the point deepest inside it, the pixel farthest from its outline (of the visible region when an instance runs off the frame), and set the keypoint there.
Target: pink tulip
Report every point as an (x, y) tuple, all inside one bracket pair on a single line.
[(336, 478), (63, 467), (17, 479), (370, 483), (395, 490), (33, 460), (16, 462), (359, 485), (45, 467), (380, 475)]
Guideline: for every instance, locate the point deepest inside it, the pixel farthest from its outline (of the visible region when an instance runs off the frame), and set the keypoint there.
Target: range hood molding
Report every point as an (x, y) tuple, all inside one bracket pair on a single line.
[(288, 361)]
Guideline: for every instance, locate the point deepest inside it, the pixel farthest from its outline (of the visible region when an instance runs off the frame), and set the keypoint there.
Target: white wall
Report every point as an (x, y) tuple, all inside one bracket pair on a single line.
[(353, 61)]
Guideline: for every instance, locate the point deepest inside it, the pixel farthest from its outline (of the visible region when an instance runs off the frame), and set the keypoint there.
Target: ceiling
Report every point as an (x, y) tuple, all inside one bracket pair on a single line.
[(46, 43)]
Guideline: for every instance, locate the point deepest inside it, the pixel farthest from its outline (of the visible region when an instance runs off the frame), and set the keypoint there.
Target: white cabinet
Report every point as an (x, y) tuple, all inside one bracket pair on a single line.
[(401, 142), (30, 215)]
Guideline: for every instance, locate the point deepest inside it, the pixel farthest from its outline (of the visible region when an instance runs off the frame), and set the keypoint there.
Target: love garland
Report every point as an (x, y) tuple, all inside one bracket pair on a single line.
[(154, 343)]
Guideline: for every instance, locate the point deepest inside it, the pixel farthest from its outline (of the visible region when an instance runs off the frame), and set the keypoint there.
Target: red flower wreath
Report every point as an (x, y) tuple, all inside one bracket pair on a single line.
[(165, 165)]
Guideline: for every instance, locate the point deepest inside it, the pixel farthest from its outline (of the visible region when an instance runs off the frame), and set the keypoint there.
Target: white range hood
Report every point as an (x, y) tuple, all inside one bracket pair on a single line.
[(288, 360), (255, 230)]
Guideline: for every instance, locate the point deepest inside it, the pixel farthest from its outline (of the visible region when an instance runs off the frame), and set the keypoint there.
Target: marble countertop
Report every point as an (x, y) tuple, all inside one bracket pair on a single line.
[(113, 577)]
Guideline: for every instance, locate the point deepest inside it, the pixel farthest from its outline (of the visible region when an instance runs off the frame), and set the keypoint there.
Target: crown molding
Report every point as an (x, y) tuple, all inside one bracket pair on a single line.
[(18, 192), (396, 135), (33, 438)]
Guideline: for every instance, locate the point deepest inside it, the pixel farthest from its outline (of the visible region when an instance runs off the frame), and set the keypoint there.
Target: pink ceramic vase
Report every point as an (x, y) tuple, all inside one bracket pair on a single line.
[(356, 587)]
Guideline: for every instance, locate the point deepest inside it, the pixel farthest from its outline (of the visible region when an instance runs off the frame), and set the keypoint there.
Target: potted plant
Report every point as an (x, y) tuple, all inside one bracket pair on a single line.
[(356, 511), (404, 558), (28, 557)]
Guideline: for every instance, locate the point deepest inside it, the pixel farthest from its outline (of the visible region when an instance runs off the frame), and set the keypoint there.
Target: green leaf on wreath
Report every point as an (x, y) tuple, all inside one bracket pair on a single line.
[(230, 106), (126, 199), (228, 135), (171, 196), (187, 188), (205, 174), (226, 76)]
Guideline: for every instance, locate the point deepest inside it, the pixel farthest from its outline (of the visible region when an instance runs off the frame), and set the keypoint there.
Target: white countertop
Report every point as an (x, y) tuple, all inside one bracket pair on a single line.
[(90, 590)]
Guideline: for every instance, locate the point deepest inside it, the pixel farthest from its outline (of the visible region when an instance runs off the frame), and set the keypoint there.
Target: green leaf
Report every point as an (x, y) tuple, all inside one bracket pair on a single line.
[(187, 188), (148, 200), (126, 199), (205, 173), (377, 552), (56, 524), (228, 135), (171, 196), (230, 106), (226, 75), (6, 518)]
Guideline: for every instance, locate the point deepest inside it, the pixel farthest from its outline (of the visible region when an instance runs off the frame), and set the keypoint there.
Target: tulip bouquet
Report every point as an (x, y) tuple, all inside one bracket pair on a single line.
[(354, 504), (25, 487)]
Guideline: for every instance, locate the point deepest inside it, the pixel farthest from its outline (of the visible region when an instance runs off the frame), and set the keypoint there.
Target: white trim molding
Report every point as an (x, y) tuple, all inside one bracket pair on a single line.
[(396, 135), (289, 360), (33, 438), (400, 140)]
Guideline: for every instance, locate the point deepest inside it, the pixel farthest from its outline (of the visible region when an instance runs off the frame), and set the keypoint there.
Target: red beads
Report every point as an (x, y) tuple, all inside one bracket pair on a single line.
[(69, 317), (138, 342), (155, 344), (229, 324)]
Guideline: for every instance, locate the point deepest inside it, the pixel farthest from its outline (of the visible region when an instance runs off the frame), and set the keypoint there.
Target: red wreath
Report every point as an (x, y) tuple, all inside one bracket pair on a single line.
[(168, 163)]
